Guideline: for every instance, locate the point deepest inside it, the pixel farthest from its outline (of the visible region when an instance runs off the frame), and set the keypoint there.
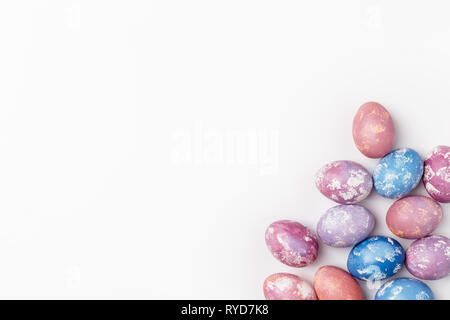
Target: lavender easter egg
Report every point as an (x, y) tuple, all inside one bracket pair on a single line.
[(345, 225), (414, 217), (437, 174), (286, 286), (429, 258), (373, 130), (398, 173), (292, 243), (333, 283), (345, 182)]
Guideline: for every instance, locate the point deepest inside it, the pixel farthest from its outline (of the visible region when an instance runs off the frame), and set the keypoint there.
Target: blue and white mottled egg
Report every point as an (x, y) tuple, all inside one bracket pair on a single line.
[(404, 289), (376, 258), (398, 173)]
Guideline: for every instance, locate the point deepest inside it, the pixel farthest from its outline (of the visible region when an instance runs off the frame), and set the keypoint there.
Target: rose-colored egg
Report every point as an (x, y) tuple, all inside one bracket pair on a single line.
[(333, 283), (414, 217), (437, 174), (292, 243), (286, 286), (429, 258), (373, 130), (345, 182)]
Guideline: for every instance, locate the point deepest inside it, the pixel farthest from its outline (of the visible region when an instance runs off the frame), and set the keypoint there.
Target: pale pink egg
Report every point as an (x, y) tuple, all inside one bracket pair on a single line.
[(373, 130), (286, 286)]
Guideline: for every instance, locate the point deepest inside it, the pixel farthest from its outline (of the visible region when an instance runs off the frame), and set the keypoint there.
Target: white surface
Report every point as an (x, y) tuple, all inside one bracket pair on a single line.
[(115, 181)]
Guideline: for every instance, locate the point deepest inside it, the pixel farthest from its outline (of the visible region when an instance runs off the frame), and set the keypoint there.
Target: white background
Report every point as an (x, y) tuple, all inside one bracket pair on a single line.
[(116, 180)]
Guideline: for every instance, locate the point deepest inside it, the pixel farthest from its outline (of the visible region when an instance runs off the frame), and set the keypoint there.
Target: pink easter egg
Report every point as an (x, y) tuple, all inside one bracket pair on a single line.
[(345, 182), (333, 283), (286, 286), (414, 217), (373, 130), (292, 243), (436, 176)]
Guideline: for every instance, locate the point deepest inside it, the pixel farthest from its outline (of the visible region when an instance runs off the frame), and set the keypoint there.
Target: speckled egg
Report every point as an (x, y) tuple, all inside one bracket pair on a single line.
[(333, 283), (292, 243), (286, 286), (414, 217), (345, 182), (376, 258), (398, 173), (437, 174), (404, 289), (429, 258), (345, 225), (373, 130)]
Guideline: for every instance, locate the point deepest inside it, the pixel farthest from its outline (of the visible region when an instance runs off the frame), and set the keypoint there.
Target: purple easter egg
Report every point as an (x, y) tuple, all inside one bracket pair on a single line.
[(345, 182), (429, 258), (292, 243), (345, 225), (437, 174)]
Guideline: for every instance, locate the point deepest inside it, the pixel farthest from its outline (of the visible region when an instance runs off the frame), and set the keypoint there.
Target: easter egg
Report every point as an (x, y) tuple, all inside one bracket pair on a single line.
[(404, 289), (286, 286), (398, 173), (333, 283), (429, 258), (414, 217), (373, 130), (345, 182), (436, 177), (345, 225), (376, 258), (292, 243)]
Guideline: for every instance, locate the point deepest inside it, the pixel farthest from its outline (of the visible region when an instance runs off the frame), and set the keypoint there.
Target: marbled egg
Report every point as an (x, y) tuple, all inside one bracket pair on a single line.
[(429, 258), (345, 225), (437, 174), (376, 258), (414, 217), (373, 130), (333, 283), (292, 243), (286, 286), (404, 289), (345, 182), (398, 173)]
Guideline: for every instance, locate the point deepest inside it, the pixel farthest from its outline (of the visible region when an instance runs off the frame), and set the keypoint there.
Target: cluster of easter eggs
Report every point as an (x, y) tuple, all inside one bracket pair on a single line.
[(372, 258)]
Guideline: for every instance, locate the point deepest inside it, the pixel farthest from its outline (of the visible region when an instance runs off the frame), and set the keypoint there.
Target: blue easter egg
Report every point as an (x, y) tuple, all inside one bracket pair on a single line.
[(376, 258), (398, 173), (404, 289)]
